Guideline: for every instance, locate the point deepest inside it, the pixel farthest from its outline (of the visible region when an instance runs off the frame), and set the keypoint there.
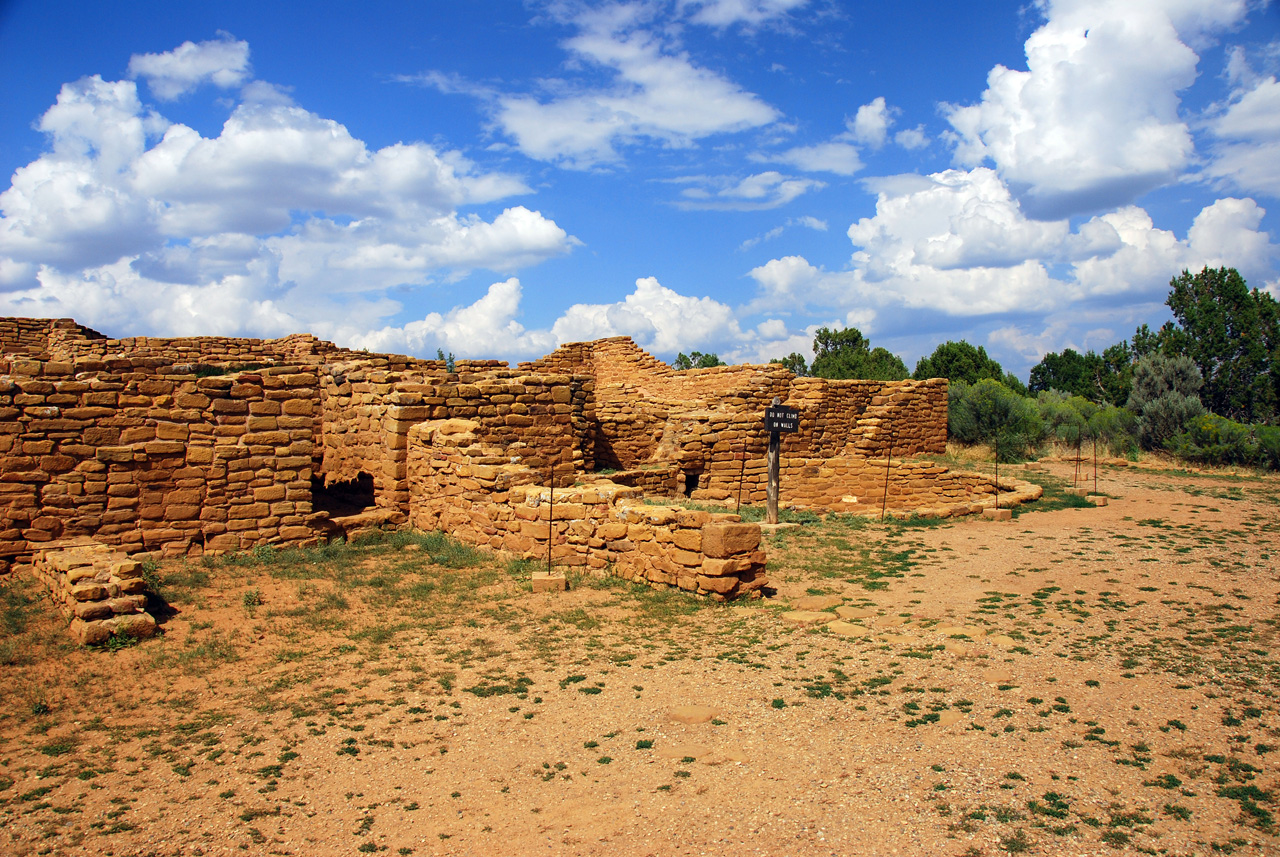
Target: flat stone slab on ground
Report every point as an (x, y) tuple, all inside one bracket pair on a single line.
[(847, 629), (691, 714), (967, 630), (817, 602), (774, 528), (997, 514), (683, 751), (806, 617), (854, 612)]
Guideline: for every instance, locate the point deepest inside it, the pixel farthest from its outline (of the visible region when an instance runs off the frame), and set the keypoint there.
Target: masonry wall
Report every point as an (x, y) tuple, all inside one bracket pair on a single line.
[(648, 413), (141, 456), (478, 494), (368, 412)]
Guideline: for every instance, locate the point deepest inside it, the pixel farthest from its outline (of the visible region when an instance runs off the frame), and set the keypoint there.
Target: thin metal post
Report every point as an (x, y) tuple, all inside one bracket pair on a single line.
[(551, 514), (742, 472), (888, 462), (997, 479)]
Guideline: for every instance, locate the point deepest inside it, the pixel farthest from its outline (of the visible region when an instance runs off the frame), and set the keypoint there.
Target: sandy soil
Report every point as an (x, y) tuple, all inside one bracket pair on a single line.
[(1075, 681)]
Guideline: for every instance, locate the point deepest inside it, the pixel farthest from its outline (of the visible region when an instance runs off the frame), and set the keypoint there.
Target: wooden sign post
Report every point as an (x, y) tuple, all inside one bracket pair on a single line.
[(777, 419)]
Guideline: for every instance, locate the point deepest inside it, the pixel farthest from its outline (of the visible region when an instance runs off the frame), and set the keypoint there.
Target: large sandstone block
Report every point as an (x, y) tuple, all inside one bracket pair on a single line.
[(724, 539)]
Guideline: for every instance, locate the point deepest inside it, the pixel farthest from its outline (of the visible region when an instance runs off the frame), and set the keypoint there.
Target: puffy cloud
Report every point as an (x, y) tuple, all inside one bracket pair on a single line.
[(72, 207), (657, 93), (272, 160), (659, 319), (757, 192), (912, 138), (958, 243), (475, 330), (1093, 122), (1247, 154), (223, 62), (284, 221), (870, 126)]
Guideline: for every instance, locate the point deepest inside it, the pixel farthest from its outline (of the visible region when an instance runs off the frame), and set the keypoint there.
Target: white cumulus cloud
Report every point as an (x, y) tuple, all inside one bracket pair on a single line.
[(657, 92), (870, 125), (958, 242), (1094, 120), (1247, 150), (284, 221), (659, 319), (224, 62)]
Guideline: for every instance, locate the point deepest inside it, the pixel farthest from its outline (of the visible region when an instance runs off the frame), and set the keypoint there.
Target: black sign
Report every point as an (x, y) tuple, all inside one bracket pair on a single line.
[(781, 419)]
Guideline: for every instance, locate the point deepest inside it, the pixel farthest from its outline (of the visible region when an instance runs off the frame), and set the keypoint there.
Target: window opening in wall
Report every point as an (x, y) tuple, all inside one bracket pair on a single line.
[(342, 498), (691, 479)]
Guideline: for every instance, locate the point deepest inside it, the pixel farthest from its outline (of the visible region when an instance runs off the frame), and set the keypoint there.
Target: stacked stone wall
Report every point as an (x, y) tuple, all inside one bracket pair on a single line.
[(369, 410), (646, 412), (475, 492), (300, 348), (147, 458), (102, 591)]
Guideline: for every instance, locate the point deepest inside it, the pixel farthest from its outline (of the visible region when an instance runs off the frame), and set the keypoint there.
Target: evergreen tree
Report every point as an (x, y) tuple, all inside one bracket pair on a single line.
[(795, 362), (696, 360), (958, 361), (1232, 333), (847, 354)]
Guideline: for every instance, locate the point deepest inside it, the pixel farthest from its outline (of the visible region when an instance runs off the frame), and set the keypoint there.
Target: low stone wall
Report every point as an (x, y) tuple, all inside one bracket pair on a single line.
[(920, 487), (479, 495), (99, 588)]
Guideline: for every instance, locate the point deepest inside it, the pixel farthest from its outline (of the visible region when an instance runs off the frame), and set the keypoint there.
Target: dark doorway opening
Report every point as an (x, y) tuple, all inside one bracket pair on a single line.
[(691, 480), (342, 498)]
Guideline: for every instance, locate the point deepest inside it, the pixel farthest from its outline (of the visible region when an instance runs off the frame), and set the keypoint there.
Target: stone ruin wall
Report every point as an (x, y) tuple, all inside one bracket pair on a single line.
[(698, 432), (369, 410), (100, 590), (476, 493), (147, 458), (124, 441)]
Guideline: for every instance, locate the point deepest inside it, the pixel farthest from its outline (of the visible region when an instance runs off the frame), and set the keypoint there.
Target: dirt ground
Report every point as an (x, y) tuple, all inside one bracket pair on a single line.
[(1079, 680)]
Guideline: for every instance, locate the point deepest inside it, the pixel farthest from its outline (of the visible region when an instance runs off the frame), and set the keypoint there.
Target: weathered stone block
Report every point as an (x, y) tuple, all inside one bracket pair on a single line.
[(722, 539)]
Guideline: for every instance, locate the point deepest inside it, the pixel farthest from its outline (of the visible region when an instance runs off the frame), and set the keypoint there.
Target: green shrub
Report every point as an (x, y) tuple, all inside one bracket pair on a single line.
[(989, 412), (1212, 439), (1165, 398)]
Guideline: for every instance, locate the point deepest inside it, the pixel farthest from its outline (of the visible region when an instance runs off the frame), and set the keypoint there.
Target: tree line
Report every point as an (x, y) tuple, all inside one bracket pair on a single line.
[(1205, 386)]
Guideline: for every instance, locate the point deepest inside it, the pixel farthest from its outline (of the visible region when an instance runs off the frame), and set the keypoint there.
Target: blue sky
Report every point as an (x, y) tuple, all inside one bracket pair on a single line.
[(495, 178)]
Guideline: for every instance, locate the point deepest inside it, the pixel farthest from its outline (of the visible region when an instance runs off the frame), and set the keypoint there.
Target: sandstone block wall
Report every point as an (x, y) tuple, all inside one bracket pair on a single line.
[(128, 441), (368, 412), (147, 458), (647, 412), (101, 590), (477, 493)]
